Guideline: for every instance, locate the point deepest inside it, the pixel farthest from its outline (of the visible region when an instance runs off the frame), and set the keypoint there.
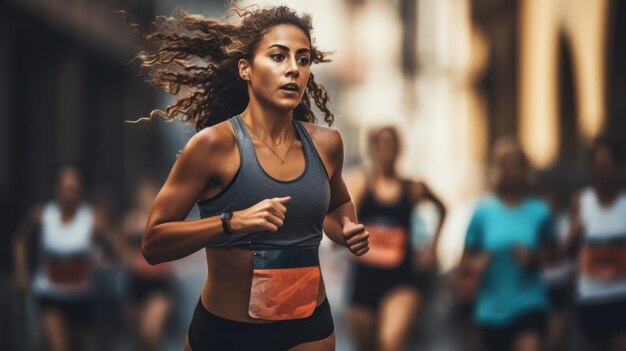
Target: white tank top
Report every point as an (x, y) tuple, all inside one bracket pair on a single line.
[(602, 224), (66, 239), (60, 240)]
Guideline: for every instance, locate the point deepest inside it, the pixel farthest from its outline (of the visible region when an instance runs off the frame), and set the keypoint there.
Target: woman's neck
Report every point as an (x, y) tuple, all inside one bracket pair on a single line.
[(269, 124), (512, 196), (67, 211), (607, 193), (381, 172)]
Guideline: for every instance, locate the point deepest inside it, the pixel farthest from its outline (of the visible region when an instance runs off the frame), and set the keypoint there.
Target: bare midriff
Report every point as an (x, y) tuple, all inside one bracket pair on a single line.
[(226, 291)]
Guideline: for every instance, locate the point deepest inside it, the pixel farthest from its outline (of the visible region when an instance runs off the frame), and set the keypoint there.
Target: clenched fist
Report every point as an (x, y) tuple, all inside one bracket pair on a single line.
[(268, 214), (355, 236)]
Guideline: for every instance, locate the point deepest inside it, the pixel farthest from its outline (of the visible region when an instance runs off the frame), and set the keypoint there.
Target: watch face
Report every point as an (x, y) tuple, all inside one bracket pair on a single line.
[(227, 215)]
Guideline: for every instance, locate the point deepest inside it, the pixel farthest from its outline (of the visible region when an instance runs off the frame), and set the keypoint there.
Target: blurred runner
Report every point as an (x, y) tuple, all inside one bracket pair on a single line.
[(391, 279), (68, 230), (598, 240), (150, 287), (504, 243), (559, 272)]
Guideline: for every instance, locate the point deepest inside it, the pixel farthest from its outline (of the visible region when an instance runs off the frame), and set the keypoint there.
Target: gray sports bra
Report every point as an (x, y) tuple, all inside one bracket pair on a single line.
[(310, 196)]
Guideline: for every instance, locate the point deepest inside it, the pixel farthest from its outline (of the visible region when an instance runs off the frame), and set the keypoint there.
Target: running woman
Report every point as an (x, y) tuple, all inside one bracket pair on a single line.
[(598, 241), (391, 279), (266, 178), (66, 231), (510, 233), (149, 287)]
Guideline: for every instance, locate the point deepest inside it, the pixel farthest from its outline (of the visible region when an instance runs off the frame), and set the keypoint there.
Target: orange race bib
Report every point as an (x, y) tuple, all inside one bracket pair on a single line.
[(387, 245), (69, 271), (285, 284), (604, 260)]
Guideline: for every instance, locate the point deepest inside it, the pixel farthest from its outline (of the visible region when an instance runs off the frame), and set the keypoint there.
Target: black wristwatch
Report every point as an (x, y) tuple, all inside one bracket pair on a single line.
[(226, 217)]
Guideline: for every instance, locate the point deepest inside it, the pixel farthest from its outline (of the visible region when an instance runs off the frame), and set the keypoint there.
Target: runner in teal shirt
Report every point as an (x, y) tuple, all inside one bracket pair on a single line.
[(507, 289), (507, 239)]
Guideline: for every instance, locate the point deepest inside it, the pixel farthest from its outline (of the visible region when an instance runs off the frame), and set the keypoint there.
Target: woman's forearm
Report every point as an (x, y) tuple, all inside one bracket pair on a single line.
[(332, 222), (23, 237), (19, 258), (173, 240), (442, 219)]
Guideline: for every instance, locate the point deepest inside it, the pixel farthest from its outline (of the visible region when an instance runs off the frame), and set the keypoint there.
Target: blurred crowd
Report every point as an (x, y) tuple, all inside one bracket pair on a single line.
[(88, 269), (543, 267), (543, 259)]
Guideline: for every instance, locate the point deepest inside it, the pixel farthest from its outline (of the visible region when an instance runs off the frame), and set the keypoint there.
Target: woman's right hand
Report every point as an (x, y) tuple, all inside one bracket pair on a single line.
[(577, 229), (266, 215)]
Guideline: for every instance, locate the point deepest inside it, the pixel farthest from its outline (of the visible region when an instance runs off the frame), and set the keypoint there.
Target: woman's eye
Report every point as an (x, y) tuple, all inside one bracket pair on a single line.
[(277, 57), (303, 61)]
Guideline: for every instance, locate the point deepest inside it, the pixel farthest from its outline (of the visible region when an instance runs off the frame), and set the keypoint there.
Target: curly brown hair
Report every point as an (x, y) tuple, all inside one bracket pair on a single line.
[(195, 59)]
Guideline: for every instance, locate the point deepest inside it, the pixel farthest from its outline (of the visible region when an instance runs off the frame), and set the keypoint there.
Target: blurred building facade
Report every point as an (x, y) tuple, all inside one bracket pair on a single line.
[(66, 89)]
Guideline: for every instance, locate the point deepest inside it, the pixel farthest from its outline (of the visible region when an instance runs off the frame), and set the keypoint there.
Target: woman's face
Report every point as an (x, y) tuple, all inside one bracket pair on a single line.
[(69, 186), (511, 170), (384, 148), (280, 67), (604, 168)]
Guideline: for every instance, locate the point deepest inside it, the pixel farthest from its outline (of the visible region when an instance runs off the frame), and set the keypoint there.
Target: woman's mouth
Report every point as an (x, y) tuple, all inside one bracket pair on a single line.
[(290, 87)]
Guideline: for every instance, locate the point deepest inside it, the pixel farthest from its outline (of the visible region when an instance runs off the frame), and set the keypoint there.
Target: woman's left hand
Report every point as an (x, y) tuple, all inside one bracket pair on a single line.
[(355, 236), (524, 256)]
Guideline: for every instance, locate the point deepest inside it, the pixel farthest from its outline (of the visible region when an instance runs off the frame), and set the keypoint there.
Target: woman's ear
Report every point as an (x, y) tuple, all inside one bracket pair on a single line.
[(244, 69)]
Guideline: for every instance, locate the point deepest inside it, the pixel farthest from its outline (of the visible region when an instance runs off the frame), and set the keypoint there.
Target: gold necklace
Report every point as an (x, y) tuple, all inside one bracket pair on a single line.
[(282, 159)]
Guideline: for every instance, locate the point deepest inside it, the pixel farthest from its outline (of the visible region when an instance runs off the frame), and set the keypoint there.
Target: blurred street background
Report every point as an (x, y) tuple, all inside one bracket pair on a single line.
[(452, 76)]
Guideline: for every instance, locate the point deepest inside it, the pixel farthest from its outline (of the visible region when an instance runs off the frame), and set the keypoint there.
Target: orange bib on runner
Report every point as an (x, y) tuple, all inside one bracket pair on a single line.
[(69, 271), (605, 261), (285, 284), (387, 245)]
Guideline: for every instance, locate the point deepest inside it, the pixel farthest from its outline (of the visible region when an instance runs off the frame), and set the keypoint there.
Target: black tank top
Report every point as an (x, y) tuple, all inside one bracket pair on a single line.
[(310, 196), (397, 213)]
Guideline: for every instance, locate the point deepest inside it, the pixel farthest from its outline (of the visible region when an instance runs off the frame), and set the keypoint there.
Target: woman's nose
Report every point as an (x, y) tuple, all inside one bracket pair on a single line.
[(292, 67)]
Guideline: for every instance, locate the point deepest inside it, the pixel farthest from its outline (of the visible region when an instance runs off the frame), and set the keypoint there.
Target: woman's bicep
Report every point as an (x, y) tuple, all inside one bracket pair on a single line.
[(189, 176), (474, 235), (339, 191), (30, 224)]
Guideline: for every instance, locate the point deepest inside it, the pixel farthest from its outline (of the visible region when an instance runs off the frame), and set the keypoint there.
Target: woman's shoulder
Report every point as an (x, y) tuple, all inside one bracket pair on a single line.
[(538, 204), (208, 152), (486, 203), (326, 139), (329, 145), (216, 138), (320, 131), (35, 216)]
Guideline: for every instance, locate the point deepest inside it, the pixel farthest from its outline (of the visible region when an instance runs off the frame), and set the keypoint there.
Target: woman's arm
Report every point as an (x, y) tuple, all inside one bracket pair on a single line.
[(340, 223), (167, 235), (546, 252), (475, 259), (420, 192), (573, 240), (24, 233)]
